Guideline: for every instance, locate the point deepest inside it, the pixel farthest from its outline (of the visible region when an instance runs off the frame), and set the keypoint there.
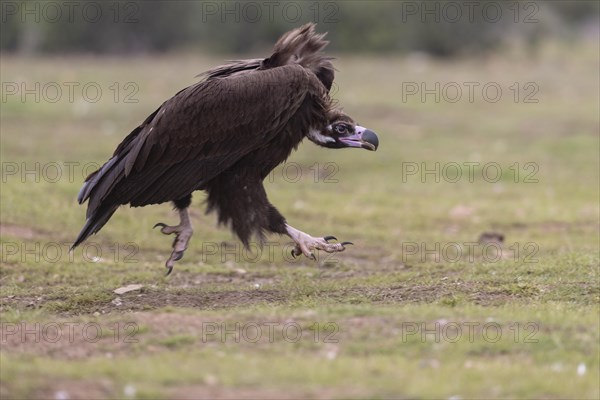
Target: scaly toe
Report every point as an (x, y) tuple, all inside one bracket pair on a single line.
[(177, 255)]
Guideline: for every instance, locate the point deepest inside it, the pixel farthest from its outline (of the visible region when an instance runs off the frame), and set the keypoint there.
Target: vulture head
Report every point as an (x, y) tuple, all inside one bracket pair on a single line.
[(341, 132)]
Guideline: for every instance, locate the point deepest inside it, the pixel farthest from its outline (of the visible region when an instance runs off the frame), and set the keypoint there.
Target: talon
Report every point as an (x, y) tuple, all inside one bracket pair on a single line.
[(309, 245), (183, 232), (296, 252)]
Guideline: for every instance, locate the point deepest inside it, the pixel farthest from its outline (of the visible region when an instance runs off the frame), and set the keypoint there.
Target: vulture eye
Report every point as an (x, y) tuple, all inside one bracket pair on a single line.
[(341, 129)]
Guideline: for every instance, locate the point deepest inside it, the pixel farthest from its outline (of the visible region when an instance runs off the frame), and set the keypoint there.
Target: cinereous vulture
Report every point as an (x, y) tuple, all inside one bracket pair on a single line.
[(225, 134)]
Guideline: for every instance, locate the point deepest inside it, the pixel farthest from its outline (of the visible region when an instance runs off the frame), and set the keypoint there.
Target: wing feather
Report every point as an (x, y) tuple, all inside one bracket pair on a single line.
[(199, 133)]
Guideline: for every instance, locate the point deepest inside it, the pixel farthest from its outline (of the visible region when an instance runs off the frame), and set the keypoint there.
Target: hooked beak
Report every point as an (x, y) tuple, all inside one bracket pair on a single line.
[(362, 138)]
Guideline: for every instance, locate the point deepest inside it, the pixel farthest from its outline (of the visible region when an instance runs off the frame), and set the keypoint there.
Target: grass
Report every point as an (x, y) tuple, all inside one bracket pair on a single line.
[(414, 309)]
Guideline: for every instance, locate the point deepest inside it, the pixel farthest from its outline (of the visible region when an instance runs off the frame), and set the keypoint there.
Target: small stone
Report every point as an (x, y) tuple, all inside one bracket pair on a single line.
[(61, 395), (129, 391), (211, 380), (128, 288), (331, 354), (557, 367), (581, 369)]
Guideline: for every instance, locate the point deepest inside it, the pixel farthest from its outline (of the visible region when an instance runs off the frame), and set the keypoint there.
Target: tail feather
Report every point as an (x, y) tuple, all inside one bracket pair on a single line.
[(93, 179), (94, 223), (96, 189)]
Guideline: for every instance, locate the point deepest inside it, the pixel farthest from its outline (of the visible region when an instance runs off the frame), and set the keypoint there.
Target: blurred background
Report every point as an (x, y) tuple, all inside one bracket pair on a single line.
[(442, 29)]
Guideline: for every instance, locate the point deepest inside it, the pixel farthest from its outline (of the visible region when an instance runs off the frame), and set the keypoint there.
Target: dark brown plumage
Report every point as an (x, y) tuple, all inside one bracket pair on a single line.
[(224, 135)]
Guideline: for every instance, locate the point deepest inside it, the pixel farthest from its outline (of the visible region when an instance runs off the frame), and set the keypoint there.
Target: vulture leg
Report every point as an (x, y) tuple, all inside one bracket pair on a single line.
[(183, 232), (306, 243)]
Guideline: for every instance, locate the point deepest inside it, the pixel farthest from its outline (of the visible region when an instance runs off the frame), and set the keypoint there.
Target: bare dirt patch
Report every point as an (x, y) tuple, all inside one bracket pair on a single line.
[(21, 232), (411, 293), (218, 392), (72, 389), (155, 332), (194, 297), (188, 299), (224, 299), (104, 389), (66, 339), (556, 226)]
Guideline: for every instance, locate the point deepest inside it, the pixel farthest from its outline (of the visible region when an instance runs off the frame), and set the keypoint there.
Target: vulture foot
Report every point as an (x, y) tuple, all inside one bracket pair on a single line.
[(183, 232), (305, 244)]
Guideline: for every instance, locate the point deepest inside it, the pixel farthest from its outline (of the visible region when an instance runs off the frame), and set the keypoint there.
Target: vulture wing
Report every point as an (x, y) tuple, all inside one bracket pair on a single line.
[(194, 136)]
